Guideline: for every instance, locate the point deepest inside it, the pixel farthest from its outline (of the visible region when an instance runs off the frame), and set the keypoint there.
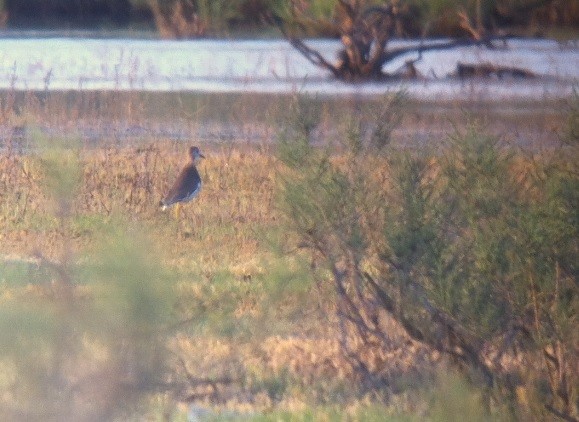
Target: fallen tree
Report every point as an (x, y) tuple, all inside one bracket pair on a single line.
[(365, 30)]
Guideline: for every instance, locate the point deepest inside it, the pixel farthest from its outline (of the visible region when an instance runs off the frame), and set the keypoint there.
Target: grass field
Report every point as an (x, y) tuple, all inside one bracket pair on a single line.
[(112, 309)]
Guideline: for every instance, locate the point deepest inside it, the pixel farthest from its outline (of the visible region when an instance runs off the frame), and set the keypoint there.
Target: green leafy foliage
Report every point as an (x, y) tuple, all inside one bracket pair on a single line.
[(471, 251), (479, 209), (419, 17)]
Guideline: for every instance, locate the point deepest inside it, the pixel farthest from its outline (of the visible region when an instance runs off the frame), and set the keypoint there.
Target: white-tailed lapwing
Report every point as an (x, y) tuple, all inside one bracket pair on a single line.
[(187, 185)]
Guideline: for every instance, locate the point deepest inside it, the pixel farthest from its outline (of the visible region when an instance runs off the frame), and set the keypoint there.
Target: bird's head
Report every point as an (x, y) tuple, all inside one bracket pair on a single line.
[(195, 153)]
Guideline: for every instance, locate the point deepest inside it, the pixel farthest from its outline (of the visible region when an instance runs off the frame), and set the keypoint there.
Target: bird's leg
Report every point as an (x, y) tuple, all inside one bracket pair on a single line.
[(177, 210)]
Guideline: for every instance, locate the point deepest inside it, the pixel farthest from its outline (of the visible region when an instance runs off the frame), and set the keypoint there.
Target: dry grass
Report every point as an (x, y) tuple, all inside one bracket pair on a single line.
[(229, 349), (250, 333), (129, 182), (250, 330)]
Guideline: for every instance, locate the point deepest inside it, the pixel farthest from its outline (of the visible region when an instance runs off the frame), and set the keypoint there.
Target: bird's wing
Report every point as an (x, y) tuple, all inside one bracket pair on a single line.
[(185, 187)]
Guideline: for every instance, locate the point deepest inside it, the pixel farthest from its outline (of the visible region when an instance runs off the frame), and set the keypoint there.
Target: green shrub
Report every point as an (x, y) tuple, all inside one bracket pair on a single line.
[(472, 250)]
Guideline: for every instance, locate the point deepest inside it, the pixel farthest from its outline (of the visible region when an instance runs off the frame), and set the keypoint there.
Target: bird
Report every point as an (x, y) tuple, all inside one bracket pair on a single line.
[(187, 185)]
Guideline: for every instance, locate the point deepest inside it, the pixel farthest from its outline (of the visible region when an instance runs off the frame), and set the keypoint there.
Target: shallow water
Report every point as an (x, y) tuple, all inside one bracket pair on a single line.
[(237, 71), (273, 66)]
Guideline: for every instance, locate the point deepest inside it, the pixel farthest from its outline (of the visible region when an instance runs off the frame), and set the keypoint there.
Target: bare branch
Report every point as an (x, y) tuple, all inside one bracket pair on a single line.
[(313, 56), (455, 333), (464, 22)]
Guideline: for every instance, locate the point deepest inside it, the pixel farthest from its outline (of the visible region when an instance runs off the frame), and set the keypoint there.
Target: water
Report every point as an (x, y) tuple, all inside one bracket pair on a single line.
[(273, 66), (225, 68)]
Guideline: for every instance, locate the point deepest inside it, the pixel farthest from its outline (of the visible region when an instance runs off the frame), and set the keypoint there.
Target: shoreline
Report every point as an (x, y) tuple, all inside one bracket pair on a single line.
[(132, 118)]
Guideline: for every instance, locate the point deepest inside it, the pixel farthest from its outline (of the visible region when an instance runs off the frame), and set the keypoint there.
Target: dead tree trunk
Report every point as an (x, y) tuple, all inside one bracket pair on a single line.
[(364, 33)]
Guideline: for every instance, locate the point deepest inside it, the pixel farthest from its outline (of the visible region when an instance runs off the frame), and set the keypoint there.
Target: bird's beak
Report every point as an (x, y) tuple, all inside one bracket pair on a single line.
[(201, 155)]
